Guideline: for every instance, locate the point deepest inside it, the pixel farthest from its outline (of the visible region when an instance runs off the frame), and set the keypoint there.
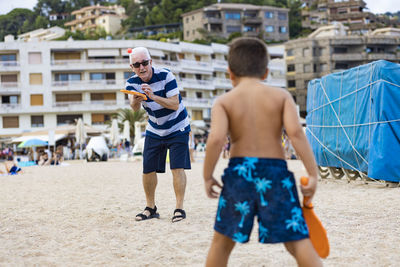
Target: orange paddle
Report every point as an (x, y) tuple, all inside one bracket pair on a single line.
[(317, 232), (133, 93)]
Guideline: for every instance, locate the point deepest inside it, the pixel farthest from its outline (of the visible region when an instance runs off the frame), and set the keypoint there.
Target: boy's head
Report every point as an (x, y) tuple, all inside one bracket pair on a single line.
[(248, 57)]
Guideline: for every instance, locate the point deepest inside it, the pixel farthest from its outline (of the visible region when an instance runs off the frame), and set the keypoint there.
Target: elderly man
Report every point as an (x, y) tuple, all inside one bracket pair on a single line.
[(167, 128)]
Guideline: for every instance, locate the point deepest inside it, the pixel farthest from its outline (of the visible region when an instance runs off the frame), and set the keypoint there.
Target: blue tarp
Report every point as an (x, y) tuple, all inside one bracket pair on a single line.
[(353, 120)]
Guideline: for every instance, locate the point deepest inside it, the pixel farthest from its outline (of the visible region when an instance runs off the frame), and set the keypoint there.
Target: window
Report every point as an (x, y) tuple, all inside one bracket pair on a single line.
[(291, 83), (306, 52), (67, 55), (231, 29), (183, 93), (269, 14), (35, 78), (199, 94), (37, 100), (8, 57), (10, 99), (290, 68), (269, 28), (102, 96), (197, 114), (341, 66), (127, 74), (98, 119), (249, 29), (232, 15), (99, 76), (289, 53), (282, 29), (37, 121), (9, 80), (35, 58), (187, 33), (10, 122), (282, 16), (187, 20), (68, 119), (340, 50), (67, 77), (68, 97), (307, 68)]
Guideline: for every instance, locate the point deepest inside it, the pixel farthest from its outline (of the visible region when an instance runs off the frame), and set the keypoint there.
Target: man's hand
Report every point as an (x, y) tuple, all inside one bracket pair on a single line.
[(147, 90), (209, 184), (135, 101)]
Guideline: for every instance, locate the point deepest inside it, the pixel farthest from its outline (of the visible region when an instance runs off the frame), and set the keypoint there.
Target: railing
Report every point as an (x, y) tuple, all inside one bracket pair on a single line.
[(193, 64), (85, 82), (9, 63), (197, 102), (90, 61), (10, 106), (9, 84), (225, 83), (196, 83), (166, 63), (85, 103)]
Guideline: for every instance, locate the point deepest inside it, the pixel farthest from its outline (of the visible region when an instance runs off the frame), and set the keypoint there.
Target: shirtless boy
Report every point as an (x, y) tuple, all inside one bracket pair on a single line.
[(257, 181)]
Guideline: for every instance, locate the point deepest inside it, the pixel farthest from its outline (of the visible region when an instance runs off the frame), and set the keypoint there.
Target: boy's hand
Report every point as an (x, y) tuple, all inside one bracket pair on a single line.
[(309, 189), (209, 183)]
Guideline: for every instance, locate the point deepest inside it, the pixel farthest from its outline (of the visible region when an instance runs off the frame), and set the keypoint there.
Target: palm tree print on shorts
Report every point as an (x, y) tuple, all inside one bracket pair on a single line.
[(245, 169), (263, 232), (243, 208), (297, 222), (239, 237), (286, 183), (221, 205), (261, 186)]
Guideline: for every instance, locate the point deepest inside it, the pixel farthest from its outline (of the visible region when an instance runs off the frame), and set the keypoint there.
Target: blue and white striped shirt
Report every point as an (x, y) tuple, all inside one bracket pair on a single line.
[(163, 123)]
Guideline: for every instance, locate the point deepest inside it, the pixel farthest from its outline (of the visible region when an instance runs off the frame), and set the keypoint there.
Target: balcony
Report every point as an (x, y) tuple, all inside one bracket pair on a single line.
[(82, 64), (252, 20), (220, 65), (197, 84), (222, 83), (348, 56), (174, 66), (10, 87), (379, 56), (87, 85), (9, 66), (197, 102), (97, 105), (10, 108), (193, 66), (213, 20)]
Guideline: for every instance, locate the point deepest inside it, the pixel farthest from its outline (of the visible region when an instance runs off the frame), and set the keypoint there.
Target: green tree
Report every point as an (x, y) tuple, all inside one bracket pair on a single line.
[(13, 22), (129, 115)]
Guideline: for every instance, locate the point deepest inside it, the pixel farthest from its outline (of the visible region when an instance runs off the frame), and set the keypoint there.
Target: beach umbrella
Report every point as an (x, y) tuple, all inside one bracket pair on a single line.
[(114, 133), (32, 143), (127, 131), (80, 135)]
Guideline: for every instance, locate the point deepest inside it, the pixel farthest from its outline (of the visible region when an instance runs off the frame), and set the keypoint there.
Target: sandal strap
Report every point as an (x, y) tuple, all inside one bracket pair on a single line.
[(181, 211), (152, 211)]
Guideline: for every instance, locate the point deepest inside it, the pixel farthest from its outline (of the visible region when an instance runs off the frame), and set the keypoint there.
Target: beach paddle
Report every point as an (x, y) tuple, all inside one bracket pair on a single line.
[(133, 93), (317, 232)]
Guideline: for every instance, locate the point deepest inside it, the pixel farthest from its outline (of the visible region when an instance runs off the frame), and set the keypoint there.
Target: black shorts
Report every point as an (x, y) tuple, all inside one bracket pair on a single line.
[(155, 153)]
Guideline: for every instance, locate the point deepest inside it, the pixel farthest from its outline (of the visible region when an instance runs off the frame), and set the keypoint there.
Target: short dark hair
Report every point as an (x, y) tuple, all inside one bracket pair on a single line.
[(248, 57)]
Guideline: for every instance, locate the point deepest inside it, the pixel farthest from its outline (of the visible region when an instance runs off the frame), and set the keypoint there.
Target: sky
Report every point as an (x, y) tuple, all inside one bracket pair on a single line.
[(375, 6)]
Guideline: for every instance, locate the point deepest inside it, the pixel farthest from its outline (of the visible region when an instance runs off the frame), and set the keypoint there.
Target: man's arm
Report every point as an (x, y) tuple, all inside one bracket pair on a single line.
[(300, 143), (215, 142), (169, 103), (135, 101)]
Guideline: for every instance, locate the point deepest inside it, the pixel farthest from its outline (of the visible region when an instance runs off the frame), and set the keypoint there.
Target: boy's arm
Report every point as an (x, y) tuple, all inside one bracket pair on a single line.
[(300, 143), (215, 142)]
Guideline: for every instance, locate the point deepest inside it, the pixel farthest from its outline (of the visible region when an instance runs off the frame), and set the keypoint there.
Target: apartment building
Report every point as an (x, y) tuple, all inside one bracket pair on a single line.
[(223, 19), (352, 13), (48, 84), (42, 34), (92, 17), (329, 50)]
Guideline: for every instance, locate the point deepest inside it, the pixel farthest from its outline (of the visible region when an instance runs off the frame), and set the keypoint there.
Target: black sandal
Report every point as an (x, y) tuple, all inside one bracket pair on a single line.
[(153, 214), (178, 218)]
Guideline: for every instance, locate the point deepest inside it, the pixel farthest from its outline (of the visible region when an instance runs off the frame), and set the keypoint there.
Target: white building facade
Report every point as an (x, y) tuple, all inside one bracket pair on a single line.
[(47, 84)]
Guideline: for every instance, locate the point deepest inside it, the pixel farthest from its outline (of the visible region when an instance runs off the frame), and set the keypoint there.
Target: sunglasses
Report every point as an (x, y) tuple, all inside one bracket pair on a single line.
[(143, 63)]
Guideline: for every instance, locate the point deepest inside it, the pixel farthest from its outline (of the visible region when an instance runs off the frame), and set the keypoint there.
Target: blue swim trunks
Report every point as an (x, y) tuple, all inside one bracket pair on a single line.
[(264, 188)]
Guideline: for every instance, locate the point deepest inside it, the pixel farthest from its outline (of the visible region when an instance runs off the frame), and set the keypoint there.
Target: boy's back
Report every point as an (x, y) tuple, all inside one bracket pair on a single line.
[(255, 119)]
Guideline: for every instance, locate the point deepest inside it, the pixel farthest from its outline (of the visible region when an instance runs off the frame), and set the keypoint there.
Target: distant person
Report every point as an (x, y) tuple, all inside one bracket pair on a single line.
[(256, 182), (167, 129), (192, 145)]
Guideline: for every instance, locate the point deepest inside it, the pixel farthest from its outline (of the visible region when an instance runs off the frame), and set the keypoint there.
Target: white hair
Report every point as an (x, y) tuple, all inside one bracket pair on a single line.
[(138, 50)]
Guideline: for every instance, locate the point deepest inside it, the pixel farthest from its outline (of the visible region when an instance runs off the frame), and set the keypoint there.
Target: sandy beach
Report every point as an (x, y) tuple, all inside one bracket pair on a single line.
[(83, 214)]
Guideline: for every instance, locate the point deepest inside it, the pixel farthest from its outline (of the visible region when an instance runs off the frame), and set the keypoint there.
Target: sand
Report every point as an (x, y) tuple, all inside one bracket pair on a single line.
[(83, 214)]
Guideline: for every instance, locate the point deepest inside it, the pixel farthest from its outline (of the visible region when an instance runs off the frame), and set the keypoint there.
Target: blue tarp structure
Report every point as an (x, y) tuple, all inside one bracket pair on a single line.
[(353, 120)]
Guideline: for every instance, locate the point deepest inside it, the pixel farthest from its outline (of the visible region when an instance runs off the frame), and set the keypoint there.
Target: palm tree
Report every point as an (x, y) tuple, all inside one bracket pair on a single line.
[(127, 114), (239, 237), (221, 205), (241, 169), (243, 208), (250, 164), (263, 232), (286, 183), (261, 186)]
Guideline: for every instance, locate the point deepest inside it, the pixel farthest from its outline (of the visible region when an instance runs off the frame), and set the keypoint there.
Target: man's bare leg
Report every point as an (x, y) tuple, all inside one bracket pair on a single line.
[(149, 186), (304, 253), (179, 186), (221, 248)]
